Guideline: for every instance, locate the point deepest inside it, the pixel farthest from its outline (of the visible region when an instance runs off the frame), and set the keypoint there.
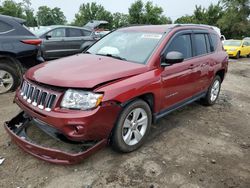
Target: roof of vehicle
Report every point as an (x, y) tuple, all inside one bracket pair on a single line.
[(233, 40), (163, 28), (66, 26), (19, 20)]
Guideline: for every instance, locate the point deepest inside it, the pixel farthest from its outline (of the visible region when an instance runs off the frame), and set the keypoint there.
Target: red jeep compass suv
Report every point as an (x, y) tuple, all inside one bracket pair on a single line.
[(117, 89)]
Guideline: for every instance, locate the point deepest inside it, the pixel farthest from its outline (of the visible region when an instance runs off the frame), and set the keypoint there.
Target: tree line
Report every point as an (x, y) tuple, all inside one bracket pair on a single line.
[(231, 16)]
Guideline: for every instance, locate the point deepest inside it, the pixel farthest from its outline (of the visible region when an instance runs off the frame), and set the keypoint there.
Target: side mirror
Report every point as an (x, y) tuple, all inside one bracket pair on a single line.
[(172, 58), (48, 37)]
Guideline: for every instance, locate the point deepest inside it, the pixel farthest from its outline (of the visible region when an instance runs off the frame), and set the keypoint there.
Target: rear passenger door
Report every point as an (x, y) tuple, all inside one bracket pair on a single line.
[(202, 60), (75, 40)]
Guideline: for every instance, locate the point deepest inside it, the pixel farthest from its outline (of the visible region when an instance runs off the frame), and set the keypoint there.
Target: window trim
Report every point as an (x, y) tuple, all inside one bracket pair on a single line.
[(178, 33)]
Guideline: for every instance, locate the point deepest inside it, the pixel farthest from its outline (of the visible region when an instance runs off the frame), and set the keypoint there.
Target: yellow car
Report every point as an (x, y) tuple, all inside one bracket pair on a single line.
[(237, 48)]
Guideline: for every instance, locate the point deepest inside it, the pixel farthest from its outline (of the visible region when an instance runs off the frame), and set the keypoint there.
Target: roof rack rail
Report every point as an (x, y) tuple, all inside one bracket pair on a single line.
[(202, 25)]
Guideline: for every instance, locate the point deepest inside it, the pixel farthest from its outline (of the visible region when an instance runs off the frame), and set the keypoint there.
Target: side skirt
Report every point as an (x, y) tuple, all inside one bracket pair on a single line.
[(181, 104)]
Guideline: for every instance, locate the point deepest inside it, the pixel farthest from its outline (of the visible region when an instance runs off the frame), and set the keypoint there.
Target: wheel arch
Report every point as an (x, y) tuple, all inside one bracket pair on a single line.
[(149, 98), (221, 74)]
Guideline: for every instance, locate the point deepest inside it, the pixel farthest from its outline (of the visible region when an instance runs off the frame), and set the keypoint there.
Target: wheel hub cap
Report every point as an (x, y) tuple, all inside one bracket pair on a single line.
[(135, 126), (215, 90), (6, 81)]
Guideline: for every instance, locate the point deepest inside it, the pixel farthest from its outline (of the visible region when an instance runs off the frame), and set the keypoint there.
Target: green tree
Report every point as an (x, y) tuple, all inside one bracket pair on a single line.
[(140, 13), (120, 20), (11, 8), (201, 15), (235, 23), (136, 13), (185, 20), (92, 11), (47, 16), (29, 14)]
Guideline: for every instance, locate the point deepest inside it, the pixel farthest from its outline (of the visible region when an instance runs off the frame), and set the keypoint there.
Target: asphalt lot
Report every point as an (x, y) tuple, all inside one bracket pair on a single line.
[(193, 147)]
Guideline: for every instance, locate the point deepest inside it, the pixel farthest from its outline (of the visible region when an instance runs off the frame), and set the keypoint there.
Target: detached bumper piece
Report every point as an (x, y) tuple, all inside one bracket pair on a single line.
[(46, 143)]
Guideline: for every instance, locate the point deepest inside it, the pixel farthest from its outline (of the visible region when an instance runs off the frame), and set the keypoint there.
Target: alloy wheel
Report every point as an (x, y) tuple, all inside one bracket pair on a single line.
[(6, 81), (135, 126)]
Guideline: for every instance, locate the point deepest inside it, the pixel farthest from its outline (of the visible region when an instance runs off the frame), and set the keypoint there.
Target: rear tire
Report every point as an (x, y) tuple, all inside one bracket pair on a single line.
[(132, 127), (213, 92), (9, 76)]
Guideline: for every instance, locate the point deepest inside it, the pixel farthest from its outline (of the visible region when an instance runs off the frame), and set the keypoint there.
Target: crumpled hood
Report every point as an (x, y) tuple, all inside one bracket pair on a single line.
[(83, 71)]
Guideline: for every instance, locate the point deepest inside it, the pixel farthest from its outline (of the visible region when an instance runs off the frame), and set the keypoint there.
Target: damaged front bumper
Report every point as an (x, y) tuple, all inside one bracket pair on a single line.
[(19, 129)]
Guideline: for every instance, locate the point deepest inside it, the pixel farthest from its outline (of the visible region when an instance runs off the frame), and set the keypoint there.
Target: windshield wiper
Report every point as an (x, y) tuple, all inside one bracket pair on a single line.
[(113, 56)]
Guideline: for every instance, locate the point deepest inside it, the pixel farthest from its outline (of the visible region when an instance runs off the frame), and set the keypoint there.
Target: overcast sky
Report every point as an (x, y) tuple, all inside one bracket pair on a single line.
[(172, 8)]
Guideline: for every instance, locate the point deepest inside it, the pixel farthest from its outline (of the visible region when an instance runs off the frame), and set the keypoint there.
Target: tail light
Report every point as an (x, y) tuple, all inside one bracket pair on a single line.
[(32, 41)]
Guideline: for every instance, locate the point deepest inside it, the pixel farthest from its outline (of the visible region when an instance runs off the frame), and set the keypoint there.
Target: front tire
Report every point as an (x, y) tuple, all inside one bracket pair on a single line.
[(9, 79), (213, 92), (237, 55), (132, 127)]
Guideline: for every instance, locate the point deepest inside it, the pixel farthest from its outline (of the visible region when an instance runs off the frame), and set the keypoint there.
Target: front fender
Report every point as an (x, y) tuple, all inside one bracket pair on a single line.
[(132, 87)]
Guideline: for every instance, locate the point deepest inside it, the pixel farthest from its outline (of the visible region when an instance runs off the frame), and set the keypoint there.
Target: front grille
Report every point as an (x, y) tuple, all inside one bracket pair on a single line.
[(37, 96)]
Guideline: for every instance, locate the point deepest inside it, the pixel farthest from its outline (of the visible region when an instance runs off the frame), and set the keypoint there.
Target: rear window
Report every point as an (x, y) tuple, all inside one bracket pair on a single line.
[(86, 33), (200, 44), (4, 27)]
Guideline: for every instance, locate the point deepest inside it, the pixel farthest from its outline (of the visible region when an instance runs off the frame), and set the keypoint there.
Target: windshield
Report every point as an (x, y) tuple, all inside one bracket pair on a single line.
[(232, 43), (41, 31), (131, 46)]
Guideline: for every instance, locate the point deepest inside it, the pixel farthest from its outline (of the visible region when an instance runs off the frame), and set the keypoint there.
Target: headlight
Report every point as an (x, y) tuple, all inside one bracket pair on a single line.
[(232, 49), (81, 100)]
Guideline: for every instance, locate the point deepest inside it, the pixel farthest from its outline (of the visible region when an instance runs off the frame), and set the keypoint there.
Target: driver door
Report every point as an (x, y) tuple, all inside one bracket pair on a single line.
[(178, 79)]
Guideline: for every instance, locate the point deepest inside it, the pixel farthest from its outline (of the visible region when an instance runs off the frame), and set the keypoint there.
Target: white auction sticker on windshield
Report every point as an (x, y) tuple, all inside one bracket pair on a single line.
[(151, 36)]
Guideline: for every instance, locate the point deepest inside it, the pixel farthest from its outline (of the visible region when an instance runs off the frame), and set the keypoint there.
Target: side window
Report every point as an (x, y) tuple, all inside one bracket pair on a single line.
[(246, 43), (214, 39), (57, 33), (182, 44), (4, 27), (75, 33), (200, 44)]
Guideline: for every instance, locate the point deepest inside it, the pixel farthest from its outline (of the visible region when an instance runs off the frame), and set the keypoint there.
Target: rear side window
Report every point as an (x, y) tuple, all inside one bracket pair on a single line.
[(200, 44), (4, 27), (86, 33), (182, 44), (214, 39), (75, 33)]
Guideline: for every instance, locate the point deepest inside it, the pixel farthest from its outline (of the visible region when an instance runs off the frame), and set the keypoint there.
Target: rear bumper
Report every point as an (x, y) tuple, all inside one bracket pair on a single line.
[(16, 128)]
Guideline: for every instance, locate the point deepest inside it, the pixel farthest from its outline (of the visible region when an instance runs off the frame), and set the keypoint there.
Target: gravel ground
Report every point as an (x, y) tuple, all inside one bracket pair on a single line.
[(193, 147)]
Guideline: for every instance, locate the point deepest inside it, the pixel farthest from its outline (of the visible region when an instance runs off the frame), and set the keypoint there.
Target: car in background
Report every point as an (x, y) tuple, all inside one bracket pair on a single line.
[(61, 41), (19, 50), (237, 48)]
